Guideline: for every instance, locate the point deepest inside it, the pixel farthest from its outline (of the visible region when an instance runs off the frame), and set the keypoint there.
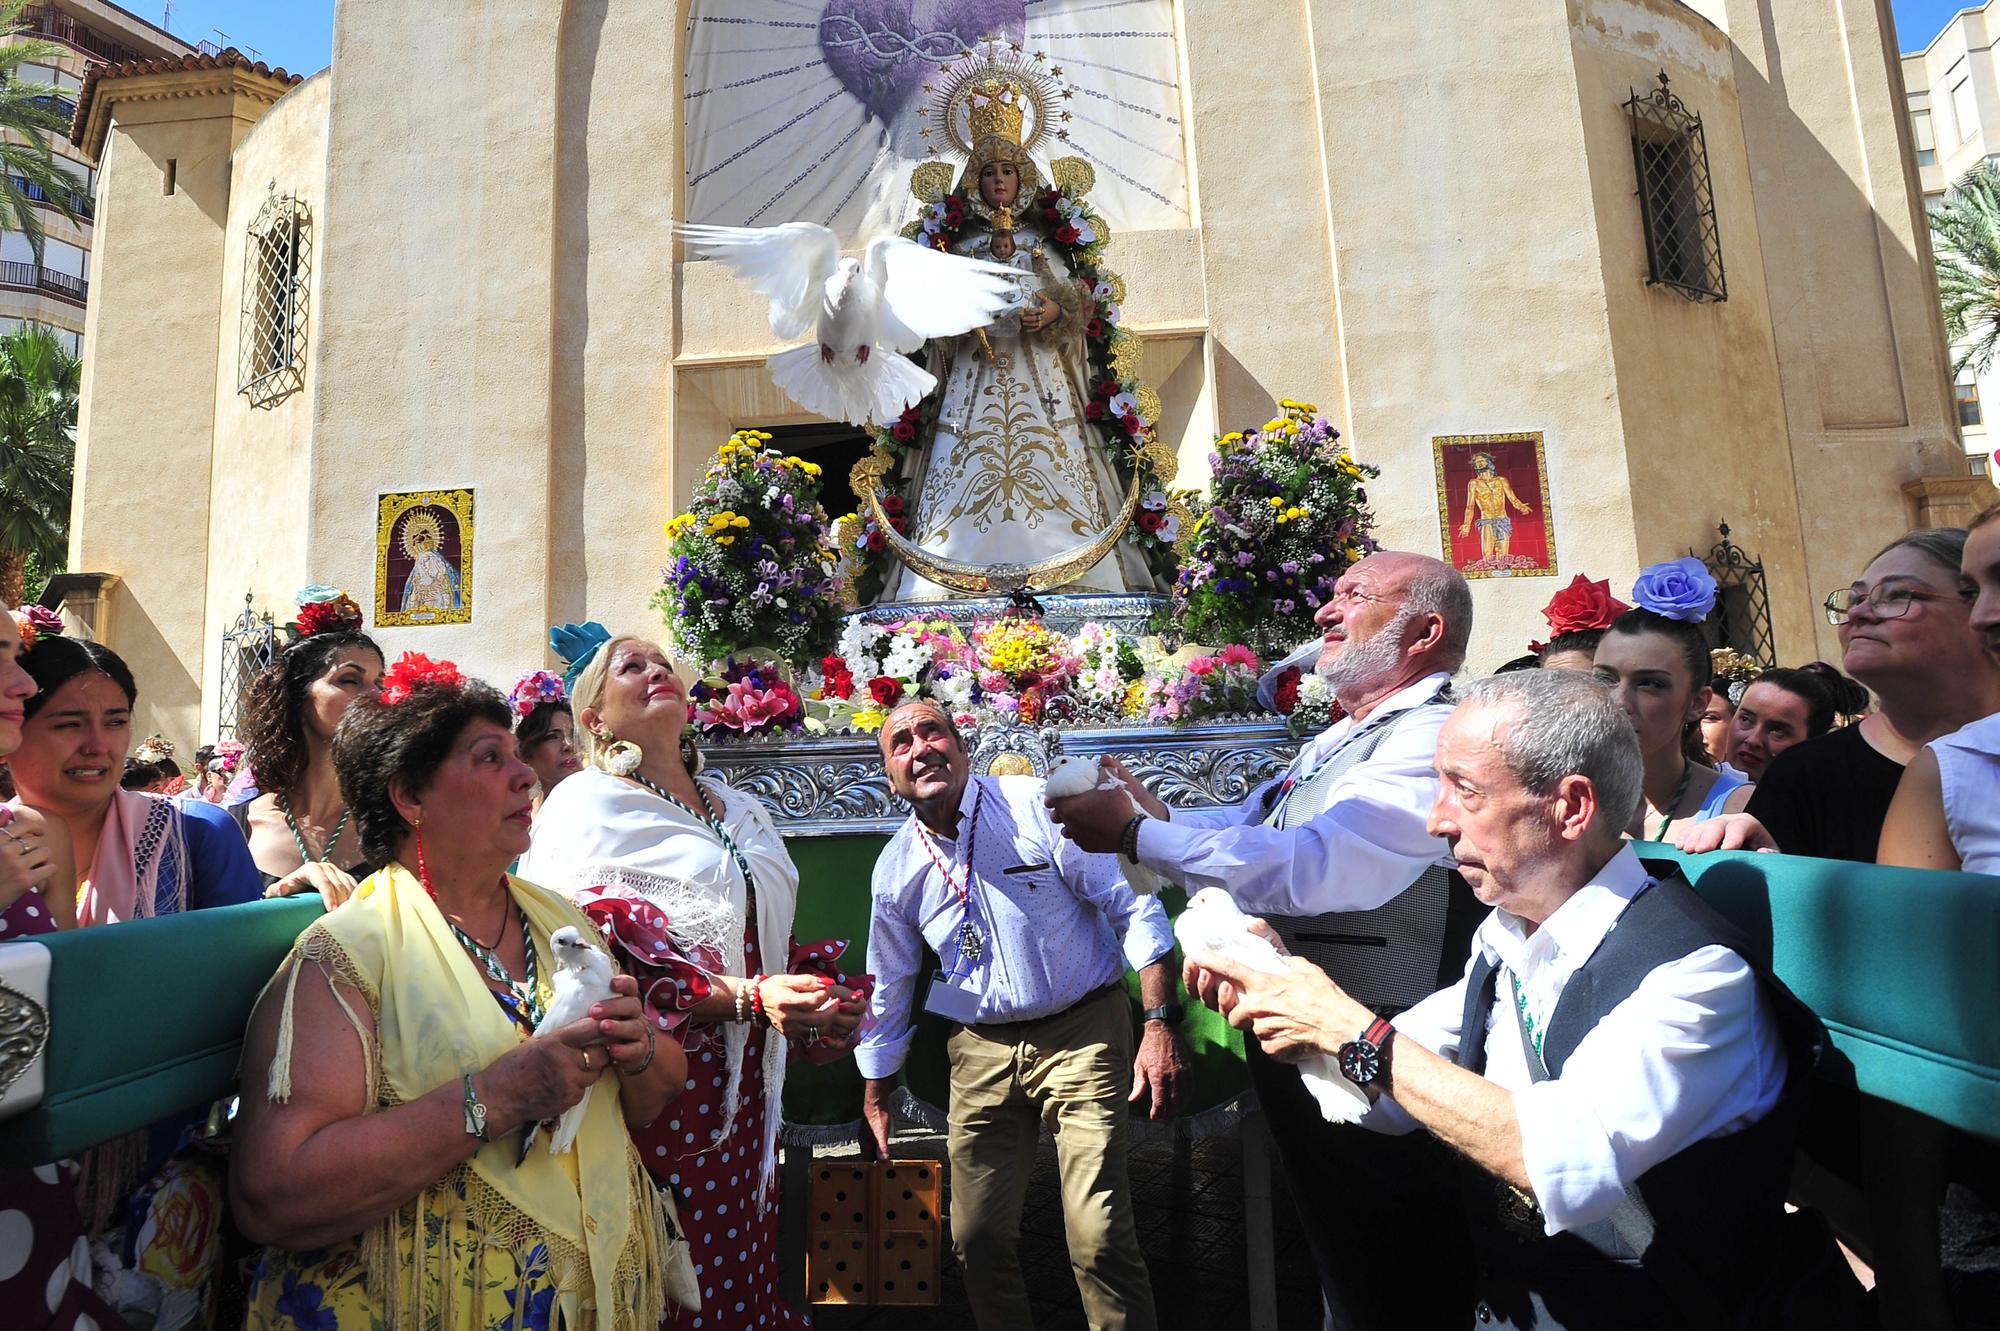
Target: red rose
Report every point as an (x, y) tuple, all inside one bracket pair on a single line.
[(1094, 330), (839, 679), (903, 432), (901, 525), (1050, 214), (1288, 690), (1106, 389), (884, 691), (1583, 605), (1150, 520), (1131, 423), (1093, 410), (892, 505), (940, 242), (877, 542), (912, 414), (1066, 234)]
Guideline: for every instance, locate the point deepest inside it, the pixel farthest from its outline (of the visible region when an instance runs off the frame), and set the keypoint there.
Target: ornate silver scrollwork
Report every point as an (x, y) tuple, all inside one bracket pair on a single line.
[(24, 1034)]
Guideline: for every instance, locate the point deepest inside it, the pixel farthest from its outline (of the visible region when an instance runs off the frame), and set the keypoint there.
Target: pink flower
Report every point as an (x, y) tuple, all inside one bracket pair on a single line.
[(1239, 655), (745, 707), (1201, 665)]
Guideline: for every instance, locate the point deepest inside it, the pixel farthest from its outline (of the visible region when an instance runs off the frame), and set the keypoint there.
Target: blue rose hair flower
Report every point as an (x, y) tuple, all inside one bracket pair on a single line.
[(1680, 589)]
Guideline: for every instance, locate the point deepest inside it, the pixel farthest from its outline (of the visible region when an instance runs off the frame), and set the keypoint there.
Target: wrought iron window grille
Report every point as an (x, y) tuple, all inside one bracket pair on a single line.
[(1742, 615), (249, 643), (1676, 197), (277, 284)]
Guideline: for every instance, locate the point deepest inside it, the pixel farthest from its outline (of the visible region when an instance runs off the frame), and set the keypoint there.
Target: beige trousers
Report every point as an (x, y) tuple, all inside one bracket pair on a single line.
[(1075, 1070)]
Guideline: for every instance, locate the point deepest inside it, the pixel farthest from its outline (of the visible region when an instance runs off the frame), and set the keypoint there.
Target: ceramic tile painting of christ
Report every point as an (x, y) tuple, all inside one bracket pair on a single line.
[(1493, 505)]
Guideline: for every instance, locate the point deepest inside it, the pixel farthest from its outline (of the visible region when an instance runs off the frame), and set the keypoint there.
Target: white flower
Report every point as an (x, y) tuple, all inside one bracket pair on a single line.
[(955, 690), (1313, 689), (1107, 311), (906, 658), (1155, 500), (1124, 404), (1102, 291), (1085, 233), (1170, 528)]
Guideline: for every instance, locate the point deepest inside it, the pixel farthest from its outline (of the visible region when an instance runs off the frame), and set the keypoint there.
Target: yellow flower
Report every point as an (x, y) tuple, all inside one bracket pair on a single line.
[(1277, 501), (1233, 437), (739, 522), (725, 540), (869, 717)]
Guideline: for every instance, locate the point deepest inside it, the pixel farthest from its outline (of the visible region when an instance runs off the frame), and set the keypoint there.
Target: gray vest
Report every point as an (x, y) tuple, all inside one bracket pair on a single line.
[(1405, 949)]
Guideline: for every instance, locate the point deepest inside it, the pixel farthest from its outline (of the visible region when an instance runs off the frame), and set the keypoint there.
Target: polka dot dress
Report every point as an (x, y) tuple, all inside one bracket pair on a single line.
[(735, 1249)]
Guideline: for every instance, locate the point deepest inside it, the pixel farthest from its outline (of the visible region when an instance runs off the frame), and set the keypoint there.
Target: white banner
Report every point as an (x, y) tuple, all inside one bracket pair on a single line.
[(809, 110)]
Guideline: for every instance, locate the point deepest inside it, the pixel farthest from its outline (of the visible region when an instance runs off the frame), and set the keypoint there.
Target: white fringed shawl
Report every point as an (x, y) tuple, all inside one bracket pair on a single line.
[(596, 830)]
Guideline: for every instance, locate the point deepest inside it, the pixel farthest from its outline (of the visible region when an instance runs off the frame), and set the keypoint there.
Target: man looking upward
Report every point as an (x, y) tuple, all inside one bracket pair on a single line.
[(1035, 937)]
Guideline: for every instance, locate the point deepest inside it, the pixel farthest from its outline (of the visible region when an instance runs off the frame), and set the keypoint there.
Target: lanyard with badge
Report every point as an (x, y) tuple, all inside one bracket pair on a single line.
[(951, 995)]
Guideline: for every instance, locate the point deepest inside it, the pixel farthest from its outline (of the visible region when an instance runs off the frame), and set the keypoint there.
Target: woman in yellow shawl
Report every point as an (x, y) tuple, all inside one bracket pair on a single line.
[(385, 1098)]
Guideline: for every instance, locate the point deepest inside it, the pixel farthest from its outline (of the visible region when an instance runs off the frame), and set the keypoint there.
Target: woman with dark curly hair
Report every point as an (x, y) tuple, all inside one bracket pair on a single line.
[(380, 1148), (300, 827)]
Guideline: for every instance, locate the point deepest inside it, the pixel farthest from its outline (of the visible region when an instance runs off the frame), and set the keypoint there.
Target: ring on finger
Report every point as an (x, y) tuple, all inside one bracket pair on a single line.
[(586, 1059)]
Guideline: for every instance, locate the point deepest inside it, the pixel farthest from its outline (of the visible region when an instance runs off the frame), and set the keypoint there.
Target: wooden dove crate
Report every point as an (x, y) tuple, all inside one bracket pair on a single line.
[(874, 1233)]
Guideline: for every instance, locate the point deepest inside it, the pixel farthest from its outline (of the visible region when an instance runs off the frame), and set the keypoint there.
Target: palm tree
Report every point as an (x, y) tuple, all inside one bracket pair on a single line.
[(28, 115), (39, 379), (1965, 243)]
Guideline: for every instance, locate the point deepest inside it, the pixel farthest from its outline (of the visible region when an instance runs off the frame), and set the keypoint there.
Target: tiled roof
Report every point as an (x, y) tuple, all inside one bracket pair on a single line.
[(167, 64)]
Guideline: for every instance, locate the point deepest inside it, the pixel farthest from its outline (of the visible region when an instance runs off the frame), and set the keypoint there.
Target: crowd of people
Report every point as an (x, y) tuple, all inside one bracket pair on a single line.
[(1581, 1089)]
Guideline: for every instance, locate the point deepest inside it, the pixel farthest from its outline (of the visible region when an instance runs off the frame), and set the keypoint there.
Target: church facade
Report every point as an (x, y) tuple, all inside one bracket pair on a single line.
[(418, 327)]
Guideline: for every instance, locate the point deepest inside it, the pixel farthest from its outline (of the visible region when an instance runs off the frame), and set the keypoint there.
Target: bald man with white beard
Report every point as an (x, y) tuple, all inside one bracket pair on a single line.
[(1340, 844)]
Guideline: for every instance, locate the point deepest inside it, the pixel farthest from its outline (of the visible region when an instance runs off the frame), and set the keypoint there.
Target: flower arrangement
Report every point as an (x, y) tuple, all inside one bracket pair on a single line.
[(1306, 701), (876, 666), (536, 688), (1206, 686), (1680, 589), (1287, 515), (327, 610), (413, 671), (1022, 666), (752, 571), (750, 698)]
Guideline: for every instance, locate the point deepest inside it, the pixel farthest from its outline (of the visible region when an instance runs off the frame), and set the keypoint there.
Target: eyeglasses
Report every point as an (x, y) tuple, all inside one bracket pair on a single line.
[(1890, 602)]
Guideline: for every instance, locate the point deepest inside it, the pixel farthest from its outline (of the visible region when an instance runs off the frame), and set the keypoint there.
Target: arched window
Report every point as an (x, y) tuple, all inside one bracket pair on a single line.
[(277, 281)]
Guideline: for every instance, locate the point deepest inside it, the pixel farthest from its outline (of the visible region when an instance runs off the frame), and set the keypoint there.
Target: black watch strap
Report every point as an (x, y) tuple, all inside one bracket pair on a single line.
[(1170, 1013)]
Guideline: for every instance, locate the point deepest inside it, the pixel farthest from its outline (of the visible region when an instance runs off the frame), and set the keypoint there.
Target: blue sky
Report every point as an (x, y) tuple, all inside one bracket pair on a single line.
[(298, 34)]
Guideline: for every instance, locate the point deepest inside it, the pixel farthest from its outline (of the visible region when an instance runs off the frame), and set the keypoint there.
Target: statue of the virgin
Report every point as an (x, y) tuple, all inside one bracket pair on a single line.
[(1014, 473)]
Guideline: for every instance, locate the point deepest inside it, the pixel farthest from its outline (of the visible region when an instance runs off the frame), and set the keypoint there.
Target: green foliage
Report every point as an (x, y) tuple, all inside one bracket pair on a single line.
[(1965, 240), (28, 115), (38, 388)]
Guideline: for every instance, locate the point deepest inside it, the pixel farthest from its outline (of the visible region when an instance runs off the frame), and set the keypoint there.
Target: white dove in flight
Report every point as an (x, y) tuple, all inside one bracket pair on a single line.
[(871, 311), (583, 977)]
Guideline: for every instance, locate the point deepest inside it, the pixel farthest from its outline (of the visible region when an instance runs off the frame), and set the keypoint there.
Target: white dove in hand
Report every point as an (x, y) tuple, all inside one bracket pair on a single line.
[(1080, 776), (1213, 925), (582, 978), (871, 311)]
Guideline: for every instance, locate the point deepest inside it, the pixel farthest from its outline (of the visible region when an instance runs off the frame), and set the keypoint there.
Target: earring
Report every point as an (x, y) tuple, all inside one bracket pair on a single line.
[(621, 756)]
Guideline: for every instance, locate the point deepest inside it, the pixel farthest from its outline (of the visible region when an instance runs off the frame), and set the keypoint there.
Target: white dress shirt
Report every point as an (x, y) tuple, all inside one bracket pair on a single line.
[(1056, 922), (1693, 1053), (1367, 844)]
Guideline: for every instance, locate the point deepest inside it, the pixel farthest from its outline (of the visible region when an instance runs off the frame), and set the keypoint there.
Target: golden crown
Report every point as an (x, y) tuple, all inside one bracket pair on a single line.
[(998, 107)]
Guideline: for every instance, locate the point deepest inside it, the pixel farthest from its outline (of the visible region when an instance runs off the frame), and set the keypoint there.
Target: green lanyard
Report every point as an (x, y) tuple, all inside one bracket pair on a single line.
[(1528, 1022), (305, 855), (709, 817)]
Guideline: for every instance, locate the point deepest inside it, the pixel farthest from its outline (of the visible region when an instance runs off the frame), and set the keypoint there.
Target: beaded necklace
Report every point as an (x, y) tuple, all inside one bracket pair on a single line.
[(1667, 816), (306, 855), (713, 821), (520, 1001)]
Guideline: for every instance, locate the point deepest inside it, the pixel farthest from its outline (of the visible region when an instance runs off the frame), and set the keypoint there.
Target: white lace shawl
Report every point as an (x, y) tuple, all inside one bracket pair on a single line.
[(595, 830)]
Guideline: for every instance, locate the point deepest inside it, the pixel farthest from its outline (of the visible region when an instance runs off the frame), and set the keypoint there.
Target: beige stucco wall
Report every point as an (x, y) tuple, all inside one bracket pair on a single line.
[(257, 530), (1470, 279), (1847, 264), (1697, 383), (146, 421)]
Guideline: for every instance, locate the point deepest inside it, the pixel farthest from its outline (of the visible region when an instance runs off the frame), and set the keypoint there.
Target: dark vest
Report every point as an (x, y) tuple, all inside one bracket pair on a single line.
[(1698, 1230), (1410, 946)]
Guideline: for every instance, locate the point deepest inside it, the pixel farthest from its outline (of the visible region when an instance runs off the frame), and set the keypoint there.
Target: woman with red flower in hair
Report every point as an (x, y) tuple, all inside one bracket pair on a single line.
[(299, 829), (1577, 617)]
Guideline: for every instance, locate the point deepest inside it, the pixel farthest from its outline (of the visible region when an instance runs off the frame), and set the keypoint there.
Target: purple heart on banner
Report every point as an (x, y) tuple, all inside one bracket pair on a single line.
[(879, 53)]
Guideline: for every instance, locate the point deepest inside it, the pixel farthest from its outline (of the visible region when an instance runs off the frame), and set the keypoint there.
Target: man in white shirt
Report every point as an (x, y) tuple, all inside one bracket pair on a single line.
[(1340, 840), (1610, 1070), (1034, 936)]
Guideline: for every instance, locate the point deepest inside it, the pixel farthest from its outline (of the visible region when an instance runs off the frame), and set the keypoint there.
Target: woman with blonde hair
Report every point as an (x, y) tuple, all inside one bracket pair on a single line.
[(690, 883)]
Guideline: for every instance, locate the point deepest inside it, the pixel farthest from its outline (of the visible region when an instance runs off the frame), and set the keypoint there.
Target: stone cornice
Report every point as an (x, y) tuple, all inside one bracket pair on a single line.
[(169, 79)]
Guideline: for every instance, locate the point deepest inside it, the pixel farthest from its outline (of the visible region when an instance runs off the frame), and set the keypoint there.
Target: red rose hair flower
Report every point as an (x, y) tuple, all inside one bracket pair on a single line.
[(1583, 605), (329, 616), (413, 671)]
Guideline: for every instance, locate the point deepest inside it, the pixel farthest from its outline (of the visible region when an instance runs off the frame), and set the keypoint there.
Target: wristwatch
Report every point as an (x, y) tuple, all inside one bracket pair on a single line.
[(1361, 1058), (1170, 1013)]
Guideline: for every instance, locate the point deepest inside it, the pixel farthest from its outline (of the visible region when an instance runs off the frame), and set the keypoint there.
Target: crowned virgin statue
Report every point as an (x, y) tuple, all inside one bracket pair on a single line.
[(1013, 471)]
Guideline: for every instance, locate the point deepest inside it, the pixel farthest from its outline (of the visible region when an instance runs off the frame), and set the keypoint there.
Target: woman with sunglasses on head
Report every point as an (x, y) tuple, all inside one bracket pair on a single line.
[(299, 828), (692, 887)]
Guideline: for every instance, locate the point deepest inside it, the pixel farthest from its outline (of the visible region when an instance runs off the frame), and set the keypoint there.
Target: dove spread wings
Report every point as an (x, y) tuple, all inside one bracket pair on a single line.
[(895, 297)]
